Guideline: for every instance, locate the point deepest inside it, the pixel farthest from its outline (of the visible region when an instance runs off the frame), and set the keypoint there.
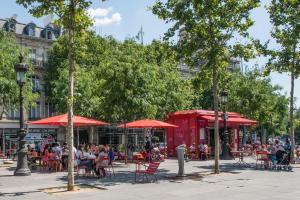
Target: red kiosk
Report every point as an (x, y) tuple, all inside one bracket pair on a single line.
[(197, 126)]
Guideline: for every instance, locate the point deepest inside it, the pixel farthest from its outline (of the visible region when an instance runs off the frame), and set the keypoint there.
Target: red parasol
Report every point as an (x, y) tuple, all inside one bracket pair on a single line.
[(62, 120), (148, 123)]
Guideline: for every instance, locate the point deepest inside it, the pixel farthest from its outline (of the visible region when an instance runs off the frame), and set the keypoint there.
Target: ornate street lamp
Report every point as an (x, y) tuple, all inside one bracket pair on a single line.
[(22, 165), (226, 154)]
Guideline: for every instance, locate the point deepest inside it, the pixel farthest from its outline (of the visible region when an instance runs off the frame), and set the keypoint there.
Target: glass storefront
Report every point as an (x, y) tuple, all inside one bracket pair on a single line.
[(115, 136), (9, 138), (136, 138), (2, 141)]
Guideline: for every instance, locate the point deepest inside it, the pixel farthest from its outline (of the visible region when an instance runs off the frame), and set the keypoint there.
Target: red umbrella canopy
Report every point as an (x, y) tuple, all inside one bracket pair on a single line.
[(148, 123), (62, 120)]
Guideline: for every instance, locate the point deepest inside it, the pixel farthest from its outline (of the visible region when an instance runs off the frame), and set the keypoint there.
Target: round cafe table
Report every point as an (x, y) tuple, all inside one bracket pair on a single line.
[(240, 155)]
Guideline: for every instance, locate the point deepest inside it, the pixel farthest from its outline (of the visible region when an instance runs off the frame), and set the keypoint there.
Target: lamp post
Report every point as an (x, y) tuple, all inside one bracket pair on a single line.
[(226, 155), (22, 165)]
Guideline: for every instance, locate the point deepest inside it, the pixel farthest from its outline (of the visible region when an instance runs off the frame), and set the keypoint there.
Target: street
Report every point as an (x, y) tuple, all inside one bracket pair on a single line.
[(232, 183)]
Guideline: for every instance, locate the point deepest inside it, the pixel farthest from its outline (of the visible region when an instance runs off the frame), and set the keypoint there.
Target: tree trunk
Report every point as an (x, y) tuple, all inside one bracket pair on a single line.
[(125, 115), (70, 137), (126, 139), (292, 133), (216, 127)]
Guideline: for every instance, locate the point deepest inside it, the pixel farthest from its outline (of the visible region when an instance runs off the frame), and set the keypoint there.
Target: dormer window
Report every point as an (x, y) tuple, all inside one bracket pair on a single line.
[(47, 33), (31, 32), (29, 29), (10, 25), (56, 32)]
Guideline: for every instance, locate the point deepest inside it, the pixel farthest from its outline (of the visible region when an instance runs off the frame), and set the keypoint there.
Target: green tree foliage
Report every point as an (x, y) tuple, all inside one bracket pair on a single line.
[(285, 18), (73, 18), (297, 125), (175, 93), (87, 87), (9, 89), (206, 27), (118, 81), (250, 94), (254, 96)]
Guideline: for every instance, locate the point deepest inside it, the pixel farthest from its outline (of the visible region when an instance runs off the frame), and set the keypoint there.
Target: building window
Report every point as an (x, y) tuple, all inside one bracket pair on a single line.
[(56, 32), (35, 111), (49, 110), (32, 56), (10, 25), (36, 85), (29, 29), (45, 57), (13, 113), (47, 33)]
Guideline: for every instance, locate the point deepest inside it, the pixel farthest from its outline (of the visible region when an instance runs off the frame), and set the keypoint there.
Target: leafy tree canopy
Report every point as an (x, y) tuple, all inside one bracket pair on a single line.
[(9, 89), (250, 94), (117, 80)]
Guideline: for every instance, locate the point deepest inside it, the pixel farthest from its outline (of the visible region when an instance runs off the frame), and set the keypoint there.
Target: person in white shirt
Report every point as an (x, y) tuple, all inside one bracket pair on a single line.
[(102, 162), (203, 148)]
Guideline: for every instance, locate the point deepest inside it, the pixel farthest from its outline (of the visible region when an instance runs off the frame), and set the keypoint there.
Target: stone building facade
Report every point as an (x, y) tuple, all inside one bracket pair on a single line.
[(38, 40)]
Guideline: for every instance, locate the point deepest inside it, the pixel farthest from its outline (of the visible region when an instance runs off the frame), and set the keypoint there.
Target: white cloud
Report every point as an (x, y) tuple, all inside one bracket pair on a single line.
[(99, 12), (104, 16), (114, 19)]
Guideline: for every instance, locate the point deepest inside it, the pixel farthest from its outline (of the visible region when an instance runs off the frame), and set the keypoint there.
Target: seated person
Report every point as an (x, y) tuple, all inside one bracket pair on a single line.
[(83, 159), (57, 150), (272, 149), (279, 154), (55, 155), (102, 161), (203, 149), (192, 148), (192, 151)]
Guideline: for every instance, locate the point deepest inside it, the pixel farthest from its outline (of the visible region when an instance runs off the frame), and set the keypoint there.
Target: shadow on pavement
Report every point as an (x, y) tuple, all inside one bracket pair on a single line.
[(15, 194), (120, 177), (235, 168), (6, 175)]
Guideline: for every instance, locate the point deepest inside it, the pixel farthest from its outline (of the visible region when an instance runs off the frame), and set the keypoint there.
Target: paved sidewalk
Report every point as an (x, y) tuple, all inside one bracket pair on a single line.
[(234, 184)]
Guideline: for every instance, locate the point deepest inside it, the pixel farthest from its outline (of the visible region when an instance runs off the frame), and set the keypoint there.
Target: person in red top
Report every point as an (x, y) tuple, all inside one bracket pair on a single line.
[(231, 146)]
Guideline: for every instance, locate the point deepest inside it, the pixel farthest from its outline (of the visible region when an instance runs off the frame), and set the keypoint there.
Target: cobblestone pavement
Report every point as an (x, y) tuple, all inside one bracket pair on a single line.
[(234, 183)]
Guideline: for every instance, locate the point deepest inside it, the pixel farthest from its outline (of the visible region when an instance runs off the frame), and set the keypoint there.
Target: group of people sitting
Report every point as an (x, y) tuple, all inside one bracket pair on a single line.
[(277, 152), (152, 151), (92, 157), (201, 152)]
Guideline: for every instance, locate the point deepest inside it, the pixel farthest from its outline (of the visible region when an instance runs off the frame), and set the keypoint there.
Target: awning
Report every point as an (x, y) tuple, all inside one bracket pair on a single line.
[(233, 120)]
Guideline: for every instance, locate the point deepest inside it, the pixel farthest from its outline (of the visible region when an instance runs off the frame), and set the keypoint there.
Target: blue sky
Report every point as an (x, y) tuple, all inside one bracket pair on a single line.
[(123, 18)]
